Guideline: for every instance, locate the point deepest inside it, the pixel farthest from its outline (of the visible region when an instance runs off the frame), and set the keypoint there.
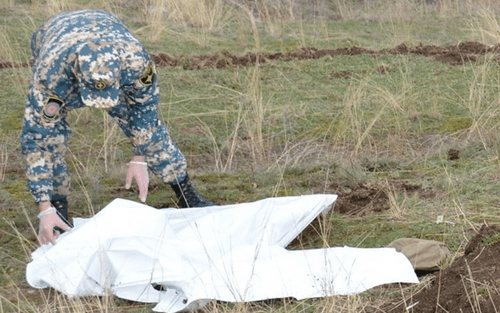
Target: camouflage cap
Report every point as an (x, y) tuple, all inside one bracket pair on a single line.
[(98, 71)]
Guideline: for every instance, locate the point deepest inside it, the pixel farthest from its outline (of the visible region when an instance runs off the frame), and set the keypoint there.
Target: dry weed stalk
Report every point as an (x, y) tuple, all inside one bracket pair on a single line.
[(4, 161), (233, 144), (253, 24), (345, 8), (234, 139), (349, 125), (115, 6), (397, 208), (197, 18), (154, 15), (472, 295), (57, 6), (257, 109), (353, 118), (9, 52), (483, 112), (273, 14), (485, 24), (208, 15), (81, 170)]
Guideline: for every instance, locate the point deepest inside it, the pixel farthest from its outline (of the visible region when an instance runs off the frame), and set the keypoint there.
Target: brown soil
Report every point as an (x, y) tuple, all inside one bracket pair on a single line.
[(9, 64), (470, 284), (454, 54), (361, 201), (366, 200)]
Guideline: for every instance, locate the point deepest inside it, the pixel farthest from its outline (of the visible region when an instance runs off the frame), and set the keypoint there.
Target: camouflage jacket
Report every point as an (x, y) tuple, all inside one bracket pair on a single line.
[(56, 88)]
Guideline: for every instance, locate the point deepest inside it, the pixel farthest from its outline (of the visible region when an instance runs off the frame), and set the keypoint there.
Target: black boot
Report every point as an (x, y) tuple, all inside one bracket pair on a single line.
[(61, 205), (189, 196)]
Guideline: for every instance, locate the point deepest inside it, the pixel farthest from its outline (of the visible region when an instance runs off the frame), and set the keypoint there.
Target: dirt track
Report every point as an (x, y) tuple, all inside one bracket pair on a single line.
[(454, 54)]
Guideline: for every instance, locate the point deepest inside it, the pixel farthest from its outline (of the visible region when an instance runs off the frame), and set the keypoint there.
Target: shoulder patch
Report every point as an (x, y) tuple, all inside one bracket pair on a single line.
[(146, 79), (52, 107), (100, 85)]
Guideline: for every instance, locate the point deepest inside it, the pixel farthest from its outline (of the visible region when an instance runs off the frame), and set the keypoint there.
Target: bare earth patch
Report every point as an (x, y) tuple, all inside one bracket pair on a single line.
[(470, 284), (454, 54)]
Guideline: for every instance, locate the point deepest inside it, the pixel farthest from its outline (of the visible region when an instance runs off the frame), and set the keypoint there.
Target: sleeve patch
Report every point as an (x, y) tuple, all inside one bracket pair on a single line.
[(52, 107), (146, 79)]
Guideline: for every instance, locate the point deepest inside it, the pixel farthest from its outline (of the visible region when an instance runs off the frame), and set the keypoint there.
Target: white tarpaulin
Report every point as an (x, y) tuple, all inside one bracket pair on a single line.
[(181, 258)]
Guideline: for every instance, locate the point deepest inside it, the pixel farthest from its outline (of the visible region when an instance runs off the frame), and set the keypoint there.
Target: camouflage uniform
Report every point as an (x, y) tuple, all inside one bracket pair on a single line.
[(90, 58)]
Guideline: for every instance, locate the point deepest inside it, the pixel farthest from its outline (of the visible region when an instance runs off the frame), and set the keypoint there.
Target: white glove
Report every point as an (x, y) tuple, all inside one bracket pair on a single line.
[(48, 220), (138, 169)]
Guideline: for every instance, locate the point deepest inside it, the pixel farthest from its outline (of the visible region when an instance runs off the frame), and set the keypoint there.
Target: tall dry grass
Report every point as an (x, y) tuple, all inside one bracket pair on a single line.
[(50, 7), (273, 15), (354, 126), (485, 26), (154, 15), (409, 9), (198, 18), (256, 115), (4, 161), (11, 49)]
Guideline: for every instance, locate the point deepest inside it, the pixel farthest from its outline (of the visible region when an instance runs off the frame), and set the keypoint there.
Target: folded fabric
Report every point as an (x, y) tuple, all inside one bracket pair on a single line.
[(424, 254), (180, 259)]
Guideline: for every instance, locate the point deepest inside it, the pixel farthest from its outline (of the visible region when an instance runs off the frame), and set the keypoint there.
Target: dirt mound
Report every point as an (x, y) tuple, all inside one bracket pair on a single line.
[(9, 64), (470, 284), (454, 54), (365, 200), (361, 201)]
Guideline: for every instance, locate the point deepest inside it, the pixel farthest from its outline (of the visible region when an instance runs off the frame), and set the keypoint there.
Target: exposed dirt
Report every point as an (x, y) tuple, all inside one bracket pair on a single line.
[(453, 154), (470, 284), (361, 201), (454, 54), (365, 200), (9, 64)]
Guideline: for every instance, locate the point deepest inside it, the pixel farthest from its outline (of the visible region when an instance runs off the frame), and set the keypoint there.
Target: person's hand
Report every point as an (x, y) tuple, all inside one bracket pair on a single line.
[(48, 221), (138, 169)]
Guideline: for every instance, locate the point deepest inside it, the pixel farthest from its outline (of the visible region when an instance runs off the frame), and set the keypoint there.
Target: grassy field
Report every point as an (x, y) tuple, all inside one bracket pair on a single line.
[(282, 127)]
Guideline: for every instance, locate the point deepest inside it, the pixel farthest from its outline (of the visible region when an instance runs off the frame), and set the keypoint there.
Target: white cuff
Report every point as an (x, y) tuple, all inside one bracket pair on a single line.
[(136, 162), (46, 212)]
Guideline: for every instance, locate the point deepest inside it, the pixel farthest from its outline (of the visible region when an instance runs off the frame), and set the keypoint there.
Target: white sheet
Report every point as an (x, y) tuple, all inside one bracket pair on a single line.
[(230, 253)]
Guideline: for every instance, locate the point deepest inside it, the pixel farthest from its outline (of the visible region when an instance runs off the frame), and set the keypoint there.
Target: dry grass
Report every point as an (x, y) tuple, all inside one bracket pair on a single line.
[(353, 128), (195, 19), (4, 161)]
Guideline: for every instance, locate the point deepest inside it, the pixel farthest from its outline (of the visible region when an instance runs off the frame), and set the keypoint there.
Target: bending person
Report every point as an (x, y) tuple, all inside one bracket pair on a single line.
[(89, 58)]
